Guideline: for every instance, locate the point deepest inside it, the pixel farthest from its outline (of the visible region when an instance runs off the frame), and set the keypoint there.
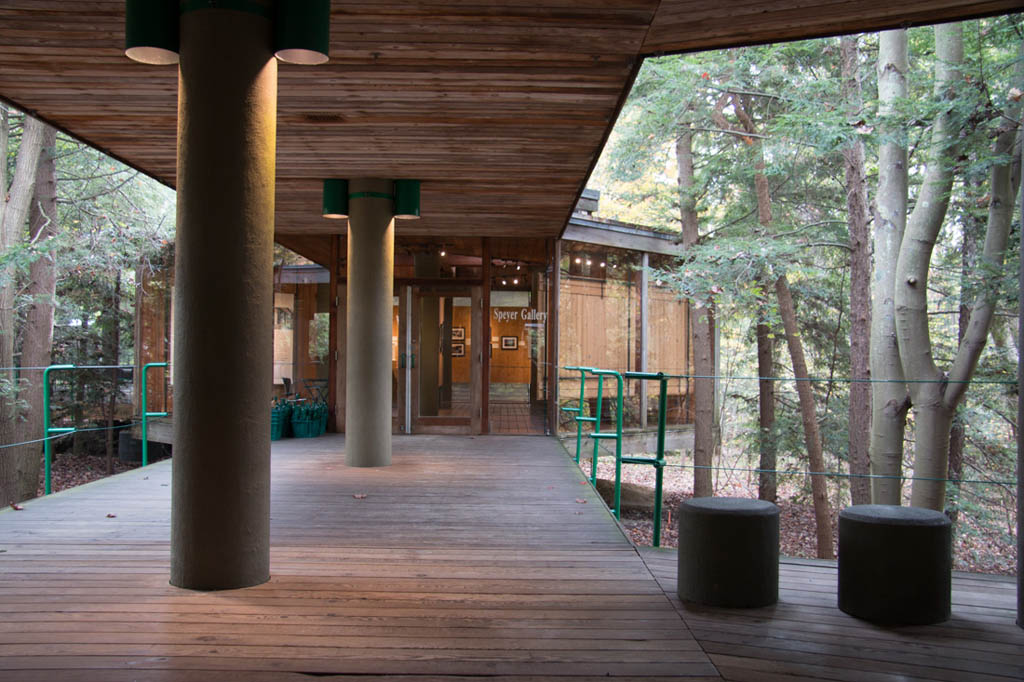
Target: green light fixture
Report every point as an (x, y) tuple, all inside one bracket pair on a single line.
[(302, 31), (151, 31), (335, 199), (407, 199)]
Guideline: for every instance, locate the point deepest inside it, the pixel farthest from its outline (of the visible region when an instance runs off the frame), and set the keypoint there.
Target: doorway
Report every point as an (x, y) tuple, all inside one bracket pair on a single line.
[(438, 361)]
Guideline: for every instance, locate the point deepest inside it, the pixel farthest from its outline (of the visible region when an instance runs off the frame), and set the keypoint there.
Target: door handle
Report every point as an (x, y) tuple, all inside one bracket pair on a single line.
[(401, 361), (412, 359)]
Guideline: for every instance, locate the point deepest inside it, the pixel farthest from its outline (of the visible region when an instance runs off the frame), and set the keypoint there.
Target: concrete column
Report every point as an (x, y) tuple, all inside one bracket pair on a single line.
[(371, 260), (223, 327)]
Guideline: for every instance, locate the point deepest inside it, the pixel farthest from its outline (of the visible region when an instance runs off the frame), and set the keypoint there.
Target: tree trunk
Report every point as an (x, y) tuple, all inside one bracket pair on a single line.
[(936, 400), (766, 484), (13, 477), (37, 335), (111, 356), (860, 284), (700, 321), (973, 227), (809, 417), (79, 381), (889, 398)]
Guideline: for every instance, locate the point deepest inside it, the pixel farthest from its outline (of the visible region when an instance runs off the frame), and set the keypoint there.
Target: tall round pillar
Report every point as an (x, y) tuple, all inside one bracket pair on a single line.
[(369, 307), (223, 339)]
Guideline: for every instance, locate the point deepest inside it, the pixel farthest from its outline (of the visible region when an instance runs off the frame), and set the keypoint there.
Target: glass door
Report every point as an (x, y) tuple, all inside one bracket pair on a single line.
[(443, 363)]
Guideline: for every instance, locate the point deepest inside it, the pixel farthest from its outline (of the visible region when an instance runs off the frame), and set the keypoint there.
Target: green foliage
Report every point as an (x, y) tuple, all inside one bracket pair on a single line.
[(792, 93)]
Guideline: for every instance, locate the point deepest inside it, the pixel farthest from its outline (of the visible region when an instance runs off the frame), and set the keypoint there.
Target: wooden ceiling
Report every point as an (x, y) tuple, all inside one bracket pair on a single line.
[(500, 108)]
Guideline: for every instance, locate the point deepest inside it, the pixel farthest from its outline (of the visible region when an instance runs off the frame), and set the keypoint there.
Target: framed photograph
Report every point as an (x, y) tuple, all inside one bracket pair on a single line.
[(458, 350), (509, 342), (458, 333)]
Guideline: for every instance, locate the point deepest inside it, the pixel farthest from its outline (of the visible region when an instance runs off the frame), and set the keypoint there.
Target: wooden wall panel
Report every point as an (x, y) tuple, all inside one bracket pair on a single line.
[(597, 327)]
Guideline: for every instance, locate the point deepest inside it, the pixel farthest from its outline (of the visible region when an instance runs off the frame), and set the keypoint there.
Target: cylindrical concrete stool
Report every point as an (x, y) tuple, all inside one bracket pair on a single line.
[(894, 564), (728, 552)]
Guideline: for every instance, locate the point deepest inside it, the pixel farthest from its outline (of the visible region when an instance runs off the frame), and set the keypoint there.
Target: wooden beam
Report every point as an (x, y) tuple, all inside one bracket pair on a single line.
[(485, 336), (554, 288), (333, 354)]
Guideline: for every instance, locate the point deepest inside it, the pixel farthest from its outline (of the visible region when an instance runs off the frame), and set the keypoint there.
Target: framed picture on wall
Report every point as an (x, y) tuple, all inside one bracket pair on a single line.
[(458, 350), (509, 342), (458, 333)]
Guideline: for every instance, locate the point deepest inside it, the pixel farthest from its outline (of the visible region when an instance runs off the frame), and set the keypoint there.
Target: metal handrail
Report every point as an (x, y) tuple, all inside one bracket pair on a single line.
[(146, 414), (47, 429), (579, 418), (658, 462), (599, 435)]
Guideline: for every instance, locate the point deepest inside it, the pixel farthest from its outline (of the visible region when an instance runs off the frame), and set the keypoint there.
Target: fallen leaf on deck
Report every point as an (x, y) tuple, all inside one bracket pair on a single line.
[(16, 507), (111, 516), (580, 500), (360, 496)]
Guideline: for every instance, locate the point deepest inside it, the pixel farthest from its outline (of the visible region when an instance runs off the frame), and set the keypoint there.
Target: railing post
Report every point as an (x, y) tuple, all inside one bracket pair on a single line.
[(659, 473), (146, 414), (578, 409), (597, 426), (47, 429)]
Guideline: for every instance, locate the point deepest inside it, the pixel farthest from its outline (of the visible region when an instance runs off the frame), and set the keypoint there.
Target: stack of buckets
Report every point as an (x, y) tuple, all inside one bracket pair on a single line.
[(297, 419)]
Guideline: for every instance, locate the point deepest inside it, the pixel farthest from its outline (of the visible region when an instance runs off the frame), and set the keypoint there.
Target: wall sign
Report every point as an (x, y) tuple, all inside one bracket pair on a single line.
[(525, 314)]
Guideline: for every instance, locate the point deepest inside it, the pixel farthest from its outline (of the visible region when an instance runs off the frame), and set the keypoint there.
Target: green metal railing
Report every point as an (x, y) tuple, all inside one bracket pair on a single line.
[(658, 461), (616, 435), (579, 418), (50, 430), (146, 414)]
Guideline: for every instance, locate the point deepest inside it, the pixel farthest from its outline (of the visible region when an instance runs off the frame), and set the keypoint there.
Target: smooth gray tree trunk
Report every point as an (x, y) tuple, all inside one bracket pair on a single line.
[(889, 398), (935, 394)]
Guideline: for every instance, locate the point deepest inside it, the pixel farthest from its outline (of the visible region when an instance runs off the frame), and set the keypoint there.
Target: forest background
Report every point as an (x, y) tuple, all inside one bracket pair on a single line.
[(850, 210)]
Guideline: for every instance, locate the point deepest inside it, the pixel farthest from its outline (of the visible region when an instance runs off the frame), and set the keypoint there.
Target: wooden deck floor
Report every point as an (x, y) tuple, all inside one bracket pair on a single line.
[(806, 637), (469, 557)]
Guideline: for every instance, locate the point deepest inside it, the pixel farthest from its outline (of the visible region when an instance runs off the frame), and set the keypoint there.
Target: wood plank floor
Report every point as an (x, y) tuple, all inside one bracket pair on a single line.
[(806, 637), (469, 557)]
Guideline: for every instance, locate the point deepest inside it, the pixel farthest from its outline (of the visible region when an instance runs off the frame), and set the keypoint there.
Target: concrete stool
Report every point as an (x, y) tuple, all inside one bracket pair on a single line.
[(894, 564), (728, 552)]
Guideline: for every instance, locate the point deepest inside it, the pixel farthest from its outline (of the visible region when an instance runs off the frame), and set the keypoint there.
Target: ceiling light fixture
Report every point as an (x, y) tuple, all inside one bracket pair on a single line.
[(407, 199), (302, 31), (151, 31), (335, 199)]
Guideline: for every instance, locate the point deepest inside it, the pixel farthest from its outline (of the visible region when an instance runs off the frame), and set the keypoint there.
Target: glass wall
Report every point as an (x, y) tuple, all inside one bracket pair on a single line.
[(600, 325), (301, 331), (519, 369)]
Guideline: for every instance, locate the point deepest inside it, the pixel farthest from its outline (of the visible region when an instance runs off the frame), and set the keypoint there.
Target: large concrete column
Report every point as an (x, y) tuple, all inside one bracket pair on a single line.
[(371, 260), (223, 338)]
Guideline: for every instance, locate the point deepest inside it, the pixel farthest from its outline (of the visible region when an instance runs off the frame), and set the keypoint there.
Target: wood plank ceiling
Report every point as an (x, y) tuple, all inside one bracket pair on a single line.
[(501, 108)]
